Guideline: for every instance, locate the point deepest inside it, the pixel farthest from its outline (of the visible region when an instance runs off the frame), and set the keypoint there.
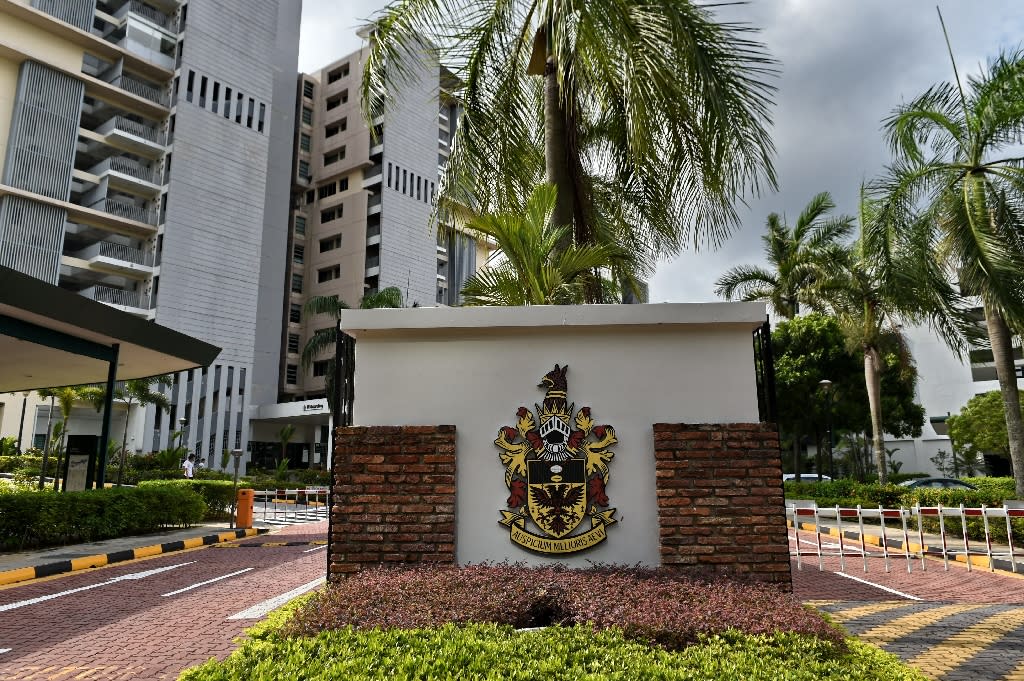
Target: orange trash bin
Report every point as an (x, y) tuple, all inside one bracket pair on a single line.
[(244, 505)]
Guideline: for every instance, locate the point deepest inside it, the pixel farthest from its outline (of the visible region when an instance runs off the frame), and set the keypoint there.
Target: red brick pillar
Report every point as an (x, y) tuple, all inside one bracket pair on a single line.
[(393, 497), (720, 501)]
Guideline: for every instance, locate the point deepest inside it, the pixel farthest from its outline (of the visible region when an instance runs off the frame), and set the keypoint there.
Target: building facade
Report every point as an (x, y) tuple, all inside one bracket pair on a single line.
[(146, 150)]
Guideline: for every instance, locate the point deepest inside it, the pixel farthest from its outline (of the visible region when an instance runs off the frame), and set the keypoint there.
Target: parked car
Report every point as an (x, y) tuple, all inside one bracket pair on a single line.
[(804, 477), (938, 483)]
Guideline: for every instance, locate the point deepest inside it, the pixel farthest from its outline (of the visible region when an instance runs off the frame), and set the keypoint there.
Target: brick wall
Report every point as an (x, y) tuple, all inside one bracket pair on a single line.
[(394, 497), (720, 502)]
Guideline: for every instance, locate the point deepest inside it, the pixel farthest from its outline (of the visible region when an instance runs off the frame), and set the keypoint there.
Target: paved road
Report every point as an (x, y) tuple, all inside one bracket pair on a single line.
[(150, 618), (953, 625)]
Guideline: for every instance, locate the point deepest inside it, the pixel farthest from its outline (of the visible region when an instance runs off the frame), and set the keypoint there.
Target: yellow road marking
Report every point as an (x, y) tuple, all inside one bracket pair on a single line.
[(1016, 675), (19, 575), (88, 562), (908, 624), (866, 610), (820, 604), (144, 551), (967, 643)]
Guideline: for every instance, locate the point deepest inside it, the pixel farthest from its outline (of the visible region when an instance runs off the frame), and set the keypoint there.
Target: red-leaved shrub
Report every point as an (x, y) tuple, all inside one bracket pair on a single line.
[(656, 606)]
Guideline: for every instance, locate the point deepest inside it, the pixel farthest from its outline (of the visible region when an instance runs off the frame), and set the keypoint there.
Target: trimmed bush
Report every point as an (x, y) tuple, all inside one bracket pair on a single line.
[(33, 519), (488, 651), (218, 494), (652, 606)]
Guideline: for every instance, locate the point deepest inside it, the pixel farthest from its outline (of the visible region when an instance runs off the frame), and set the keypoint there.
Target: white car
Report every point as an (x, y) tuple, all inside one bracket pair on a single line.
[(804, 477)]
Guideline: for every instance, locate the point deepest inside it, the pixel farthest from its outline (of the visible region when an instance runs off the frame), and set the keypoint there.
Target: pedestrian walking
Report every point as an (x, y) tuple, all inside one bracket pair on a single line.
[(189, 466)]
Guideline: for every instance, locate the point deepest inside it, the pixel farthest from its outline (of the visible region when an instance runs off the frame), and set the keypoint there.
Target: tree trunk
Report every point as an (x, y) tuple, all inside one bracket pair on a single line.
[(873, 382), (124, 443), (60, 451), (796, 455), (556, 151), (46, 445), (1002, 354)]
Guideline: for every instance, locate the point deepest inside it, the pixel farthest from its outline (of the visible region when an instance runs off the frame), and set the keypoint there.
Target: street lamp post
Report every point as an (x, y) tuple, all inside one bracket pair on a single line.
[(21, 424), (181, 431), (826, 387)]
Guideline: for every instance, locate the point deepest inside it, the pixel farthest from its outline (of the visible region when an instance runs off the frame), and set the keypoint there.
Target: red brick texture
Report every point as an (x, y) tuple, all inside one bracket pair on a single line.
[(720, 502), (394, 497)]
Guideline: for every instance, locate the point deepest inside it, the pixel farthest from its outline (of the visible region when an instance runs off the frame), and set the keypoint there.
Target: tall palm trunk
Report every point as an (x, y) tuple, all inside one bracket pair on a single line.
[(46, 445), (556, 147), (124, 443), (1002, 354), (873, 381)]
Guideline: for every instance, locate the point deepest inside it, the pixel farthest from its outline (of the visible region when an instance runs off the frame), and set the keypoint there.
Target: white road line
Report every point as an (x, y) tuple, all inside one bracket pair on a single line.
[(261, 609), (878, 586), (4, 650), (134, 575), (315, 548), (209, 581)]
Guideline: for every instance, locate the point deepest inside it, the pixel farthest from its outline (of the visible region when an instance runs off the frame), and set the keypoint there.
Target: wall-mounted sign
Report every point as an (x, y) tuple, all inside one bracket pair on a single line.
[(312, 407), (556, 471)]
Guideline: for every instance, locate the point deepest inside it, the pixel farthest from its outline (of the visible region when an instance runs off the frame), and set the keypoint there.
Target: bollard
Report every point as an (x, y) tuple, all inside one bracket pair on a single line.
[(244, 504)]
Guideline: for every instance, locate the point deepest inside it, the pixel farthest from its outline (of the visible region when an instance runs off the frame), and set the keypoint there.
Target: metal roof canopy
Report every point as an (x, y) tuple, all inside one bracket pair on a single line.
[(50, 337)]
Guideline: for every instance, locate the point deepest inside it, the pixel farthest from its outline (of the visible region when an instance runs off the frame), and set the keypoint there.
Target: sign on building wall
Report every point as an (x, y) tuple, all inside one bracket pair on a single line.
[(556, 470)]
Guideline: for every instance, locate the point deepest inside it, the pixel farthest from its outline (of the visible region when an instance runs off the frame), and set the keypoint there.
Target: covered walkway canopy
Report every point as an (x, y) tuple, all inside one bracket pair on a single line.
[(50, 337)]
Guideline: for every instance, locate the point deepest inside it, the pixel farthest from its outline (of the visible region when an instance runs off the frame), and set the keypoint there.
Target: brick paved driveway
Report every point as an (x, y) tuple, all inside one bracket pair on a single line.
[(149, 619), (954, 624)]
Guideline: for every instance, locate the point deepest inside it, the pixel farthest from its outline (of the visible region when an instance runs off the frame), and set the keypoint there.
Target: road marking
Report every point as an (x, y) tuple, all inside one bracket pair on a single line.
[(209, 581), (866, 610), (1016, 675), (4, 650), (967, 643), (132, 576), (261, 609), (315, 548), (908, 624), (878, 586)]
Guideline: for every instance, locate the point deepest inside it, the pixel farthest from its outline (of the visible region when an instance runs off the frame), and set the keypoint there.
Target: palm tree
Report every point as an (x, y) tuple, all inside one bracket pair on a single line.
[(66, 397), (794, 255), (879, 284), (955, 153), (140, 391), (650, 120), (326, 338), (284, 436), (532, 267), (44, 394)]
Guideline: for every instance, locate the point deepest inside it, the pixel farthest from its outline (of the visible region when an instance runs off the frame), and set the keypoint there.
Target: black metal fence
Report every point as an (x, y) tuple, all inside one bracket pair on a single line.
[(764, 369)]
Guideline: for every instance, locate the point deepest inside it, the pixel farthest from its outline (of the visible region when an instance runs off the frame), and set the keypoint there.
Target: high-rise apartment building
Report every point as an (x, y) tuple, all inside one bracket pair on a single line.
[(146, 153), (362, 203)]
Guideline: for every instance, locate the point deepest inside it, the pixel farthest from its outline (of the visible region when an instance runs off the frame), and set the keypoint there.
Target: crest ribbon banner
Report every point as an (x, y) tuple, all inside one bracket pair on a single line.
[(535, 542)]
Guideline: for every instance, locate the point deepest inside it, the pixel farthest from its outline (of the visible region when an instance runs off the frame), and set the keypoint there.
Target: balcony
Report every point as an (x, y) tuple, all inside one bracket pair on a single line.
[(373, 266), (122, 259), (373, 204), (124, 209), (136, 87), (373, 175), (127, 301), (150, 14), (137, 138), (127, 174), (442, 253)]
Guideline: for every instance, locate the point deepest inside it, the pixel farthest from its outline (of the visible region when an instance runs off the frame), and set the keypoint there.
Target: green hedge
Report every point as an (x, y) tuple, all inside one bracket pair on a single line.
[(34, 519), (487, 651), (27, 464), (217, 494)]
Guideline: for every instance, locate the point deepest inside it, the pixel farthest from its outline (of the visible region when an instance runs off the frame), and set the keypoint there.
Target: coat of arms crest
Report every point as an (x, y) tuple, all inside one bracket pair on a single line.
[(556, 471)]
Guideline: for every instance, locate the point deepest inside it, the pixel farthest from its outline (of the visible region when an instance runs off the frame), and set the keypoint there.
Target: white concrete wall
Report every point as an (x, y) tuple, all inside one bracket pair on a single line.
[(634, 365)]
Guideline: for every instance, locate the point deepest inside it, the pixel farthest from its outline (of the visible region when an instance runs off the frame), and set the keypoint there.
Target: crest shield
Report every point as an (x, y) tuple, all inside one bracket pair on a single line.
[(558, 495)]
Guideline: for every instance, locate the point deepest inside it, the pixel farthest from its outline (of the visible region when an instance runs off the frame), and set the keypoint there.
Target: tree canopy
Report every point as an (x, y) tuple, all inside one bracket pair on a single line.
[(980, 427)]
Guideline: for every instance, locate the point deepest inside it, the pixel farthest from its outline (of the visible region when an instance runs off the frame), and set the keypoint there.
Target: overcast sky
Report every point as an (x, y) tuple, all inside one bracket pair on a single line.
[(845, 65)]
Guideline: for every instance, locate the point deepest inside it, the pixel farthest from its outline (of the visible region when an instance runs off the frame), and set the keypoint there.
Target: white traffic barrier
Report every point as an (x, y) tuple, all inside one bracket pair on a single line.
[(833, 521), (292, 506)]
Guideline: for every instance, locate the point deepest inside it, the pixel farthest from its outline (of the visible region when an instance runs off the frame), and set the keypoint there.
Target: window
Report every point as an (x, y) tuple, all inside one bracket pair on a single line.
[(191, 85), (389, 175), (291, 374), (328, 273), (343, 184), (330, 214), (310, 196), (333, 102), (202, 92), (403, 181), (239, 100), (307, 89), (296, 283), (248, 118), (261, 121), (330, 243), (338, 73), (320, 367), (298, 254), (304, 141), (334, 129), (304, 169), (300, 224), (431, 190), (327, 190), (307, 115), (295, 313), (418, 181), (227, 102), (216, 96), (334, 156), (293, 343)]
